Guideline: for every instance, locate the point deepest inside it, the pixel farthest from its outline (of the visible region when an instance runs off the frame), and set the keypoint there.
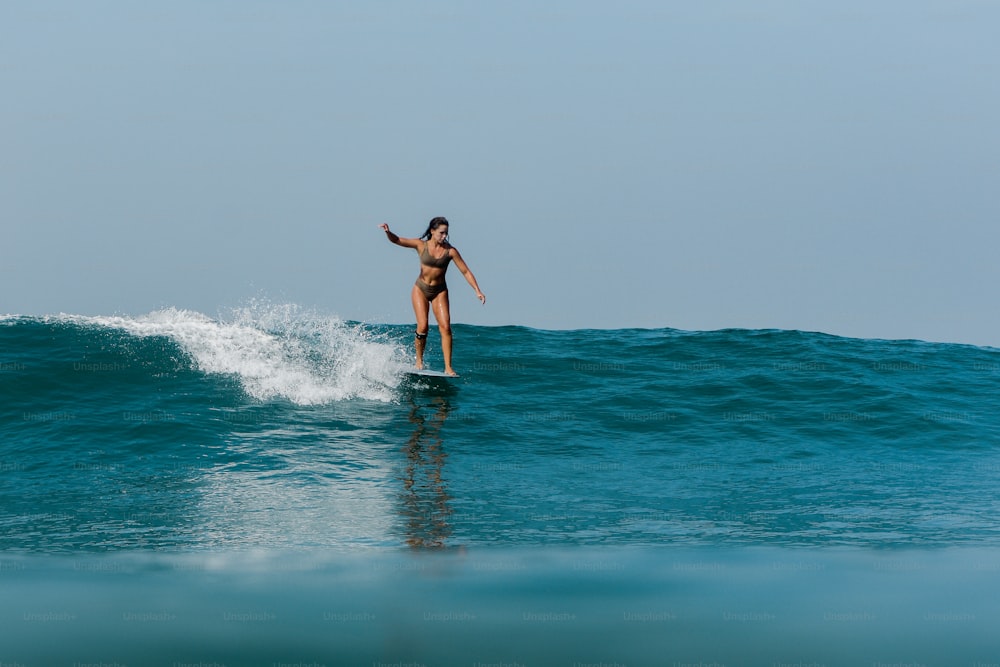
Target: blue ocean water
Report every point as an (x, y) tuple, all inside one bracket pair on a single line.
[(576, 497)]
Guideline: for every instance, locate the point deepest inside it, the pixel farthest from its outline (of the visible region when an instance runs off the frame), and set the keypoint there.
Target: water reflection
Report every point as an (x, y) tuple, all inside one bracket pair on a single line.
[(425, 508)]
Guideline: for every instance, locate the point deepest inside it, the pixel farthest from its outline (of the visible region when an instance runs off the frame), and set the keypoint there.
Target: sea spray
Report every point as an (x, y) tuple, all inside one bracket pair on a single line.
[(276, 351)]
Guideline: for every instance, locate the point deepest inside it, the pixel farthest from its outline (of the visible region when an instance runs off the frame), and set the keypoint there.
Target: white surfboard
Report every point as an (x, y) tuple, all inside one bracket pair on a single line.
[(427, 373)]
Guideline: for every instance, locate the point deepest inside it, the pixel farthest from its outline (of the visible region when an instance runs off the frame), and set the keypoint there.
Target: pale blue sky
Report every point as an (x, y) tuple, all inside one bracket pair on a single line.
[(825, 166)]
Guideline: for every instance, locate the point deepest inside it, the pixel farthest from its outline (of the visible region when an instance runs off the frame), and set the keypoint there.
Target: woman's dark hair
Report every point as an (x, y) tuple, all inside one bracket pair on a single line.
[(435, 223)]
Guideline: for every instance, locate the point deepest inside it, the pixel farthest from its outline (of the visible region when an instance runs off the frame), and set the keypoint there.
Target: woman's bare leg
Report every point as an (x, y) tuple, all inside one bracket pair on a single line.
[(420, 309), (442, 313)]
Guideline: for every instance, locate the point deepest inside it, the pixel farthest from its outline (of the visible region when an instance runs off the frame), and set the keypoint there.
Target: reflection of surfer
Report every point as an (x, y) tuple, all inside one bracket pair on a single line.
[(426, 498), (430, 289)]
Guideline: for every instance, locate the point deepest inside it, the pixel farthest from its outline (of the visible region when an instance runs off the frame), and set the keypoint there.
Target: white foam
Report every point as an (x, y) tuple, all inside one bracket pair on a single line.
[(277, 351)]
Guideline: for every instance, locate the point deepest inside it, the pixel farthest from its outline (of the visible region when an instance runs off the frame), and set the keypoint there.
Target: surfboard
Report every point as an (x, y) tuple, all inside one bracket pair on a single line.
[(427, 373)]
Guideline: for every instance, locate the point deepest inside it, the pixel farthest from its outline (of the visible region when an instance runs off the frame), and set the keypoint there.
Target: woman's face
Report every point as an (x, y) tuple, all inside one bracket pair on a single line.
[(440, 235)]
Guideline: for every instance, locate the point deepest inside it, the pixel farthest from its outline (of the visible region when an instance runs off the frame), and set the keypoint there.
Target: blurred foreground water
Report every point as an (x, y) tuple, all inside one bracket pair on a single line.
[(755, 606)]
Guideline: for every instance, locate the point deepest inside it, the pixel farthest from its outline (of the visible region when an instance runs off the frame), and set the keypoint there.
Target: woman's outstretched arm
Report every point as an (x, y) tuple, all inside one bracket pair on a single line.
[(406, 243), (464, 268)]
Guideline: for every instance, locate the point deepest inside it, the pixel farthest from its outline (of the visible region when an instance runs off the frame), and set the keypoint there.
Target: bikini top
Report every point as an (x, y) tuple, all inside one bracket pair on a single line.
[(429, 260)]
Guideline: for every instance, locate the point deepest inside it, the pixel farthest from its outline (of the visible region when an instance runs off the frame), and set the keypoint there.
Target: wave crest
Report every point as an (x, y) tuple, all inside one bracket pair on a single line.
[(277, 351)]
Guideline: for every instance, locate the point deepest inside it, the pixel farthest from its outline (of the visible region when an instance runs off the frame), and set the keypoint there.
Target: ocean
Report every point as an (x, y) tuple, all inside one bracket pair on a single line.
[(268, 487)]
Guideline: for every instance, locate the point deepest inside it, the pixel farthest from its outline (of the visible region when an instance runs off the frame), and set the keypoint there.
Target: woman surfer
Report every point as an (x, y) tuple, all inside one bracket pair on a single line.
[(430, 289)]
